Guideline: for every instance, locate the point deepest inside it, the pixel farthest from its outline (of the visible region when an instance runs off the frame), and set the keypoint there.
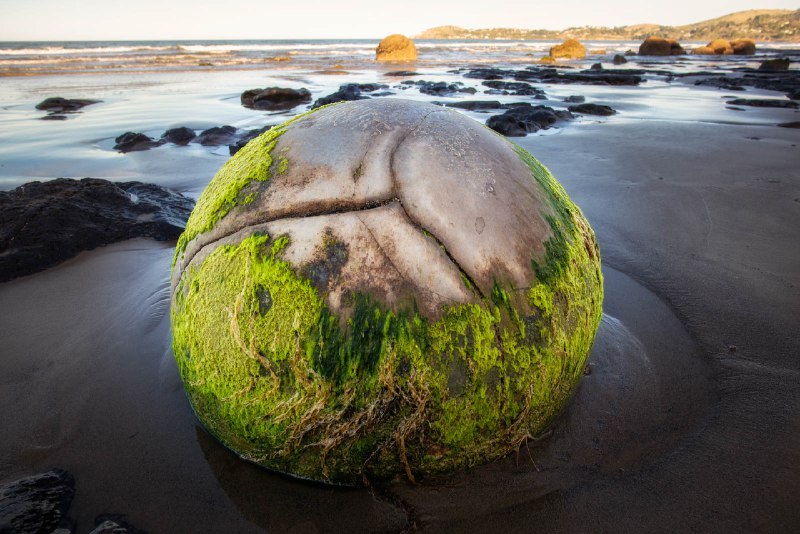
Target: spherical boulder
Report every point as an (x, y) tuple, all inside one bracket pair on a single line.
[(569, 49), (396, 47), (743, 47), (379, 288), (658, 46)]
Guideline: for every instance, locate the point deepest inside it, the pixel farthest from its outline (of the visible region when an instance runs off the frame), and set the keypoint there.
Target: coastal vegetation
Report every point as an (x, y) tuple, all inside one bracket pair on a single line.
[(758, 24)]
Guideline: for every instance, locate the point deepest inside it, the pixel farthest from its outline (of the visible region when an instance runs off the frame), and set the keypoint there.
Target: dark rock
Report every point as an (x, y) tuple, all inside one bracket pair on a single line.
[(346, 93), (383, 93), (575, 99), (522, 120), (38, 503), (489, 74), (218, 135), (596, 66), (604, 77), (275, 98), (775, 64), (60, 105), (722, 82), (764, 103), (370, 87), (133, 141), (619, 59), (794, 124), (513, 88), (114, 524), (592, 109), (246, 138), (45, 223), (401, 73), (473, 105), (179, 136), (54, 117), (440, 88)]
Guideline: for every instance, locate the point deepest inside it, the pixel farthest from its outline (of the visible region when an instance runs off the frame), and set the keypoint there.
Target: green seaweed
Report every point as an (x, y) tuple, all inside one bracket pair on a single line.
[(289, 384)]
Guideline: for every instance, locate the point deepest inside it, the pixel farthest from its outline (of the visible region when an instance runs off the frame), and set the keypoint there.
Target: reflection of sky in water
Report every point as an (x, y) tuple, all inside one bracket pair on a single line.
[(156, 100)]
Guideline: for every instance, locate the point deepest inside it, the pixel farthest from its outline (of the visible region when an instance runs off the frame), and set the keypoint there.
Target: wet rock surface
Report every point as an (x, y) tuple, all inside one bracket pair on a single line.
[(592, 109), (218, 135), (37, 503), (352, 91), (439, 88), (134, 142), (45, 223), (179, 136), (498, 87), (275, 98), (57, 106), (764, 103), (245, 138), (519, 121)]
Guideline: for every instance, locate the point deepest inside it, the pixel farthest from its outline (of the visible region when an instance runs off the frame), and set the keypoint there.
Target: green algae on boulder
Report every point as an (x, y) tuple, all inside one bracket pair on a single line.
[(382, 287)]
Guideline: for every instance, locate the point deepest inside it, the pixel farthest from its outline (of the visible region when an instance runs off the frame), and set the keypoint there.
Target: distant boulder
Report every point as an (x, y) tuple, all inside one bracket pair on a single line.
[(569, 49), (721, 47), (396, 47), (775, 64), (703, 51), (658, 46), (547, 60), (275, 98), (619, 59), (743, 47)]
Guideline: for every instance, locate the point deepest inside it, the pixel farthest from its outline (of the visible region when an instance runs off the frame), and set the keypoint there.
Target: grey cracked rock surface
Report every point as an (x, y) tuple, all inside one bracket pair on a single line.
[(407, 184)]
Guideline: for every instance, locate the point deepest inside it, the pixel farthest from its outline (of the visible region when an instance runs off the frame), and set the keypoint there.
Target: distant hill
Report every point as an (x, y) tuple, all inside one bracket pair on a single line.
[(758, 24)]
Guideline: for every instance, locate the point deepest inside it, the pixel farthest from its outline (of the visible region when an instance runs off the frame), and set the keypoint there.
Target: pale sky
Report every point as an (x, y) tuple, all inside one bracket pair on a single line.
[(59, 20)]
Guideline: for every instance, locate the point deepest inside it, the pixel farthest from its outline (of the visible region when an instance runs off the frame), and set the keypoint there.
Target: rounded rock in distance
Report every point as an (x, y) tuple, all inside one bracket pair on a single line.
[(382, 287)]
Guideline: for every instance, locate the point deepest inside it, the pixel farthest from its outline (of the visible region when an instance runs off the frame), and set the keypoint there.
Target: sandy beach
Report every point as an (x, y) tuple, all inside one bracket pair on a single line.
[(688, 421)]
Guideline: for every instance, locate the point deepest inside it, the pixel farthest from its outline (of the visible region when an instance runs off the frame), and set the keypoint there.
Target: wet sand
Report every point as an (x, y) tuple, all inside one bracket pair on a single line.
[(689, 419)]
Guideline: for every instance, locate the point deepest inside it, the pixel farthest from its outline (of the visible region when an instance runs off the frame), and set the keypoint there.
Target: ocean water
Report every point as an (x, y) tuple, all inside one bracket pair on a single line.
[(151, 86)]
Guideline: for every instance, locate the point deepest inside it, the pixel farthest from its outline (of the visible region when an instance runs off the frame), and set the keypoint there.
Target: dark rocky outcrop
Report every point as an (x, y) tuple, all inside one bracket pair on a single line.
[(592, 109), (396, 47), (179, 136), (246, 138), (45, 223), (473, 105), (218, 135), (722, 82), (658, 46), (587, 77), (793, 124), (619, 59), (524, 119), (400, 73), (775, 64), (596, 67), (134, 141), (37, 503), (575, 99), (346, 93), (569, 49), (764, 103), (440, 88), (59, 105), (498, 87), (275, 98), (488, 74)]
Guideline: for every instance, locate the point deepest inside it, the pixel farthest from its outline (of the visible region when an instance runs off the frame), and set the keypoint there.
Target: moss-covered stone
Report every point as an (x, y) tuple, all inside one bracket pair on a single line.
[(293, 359)]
